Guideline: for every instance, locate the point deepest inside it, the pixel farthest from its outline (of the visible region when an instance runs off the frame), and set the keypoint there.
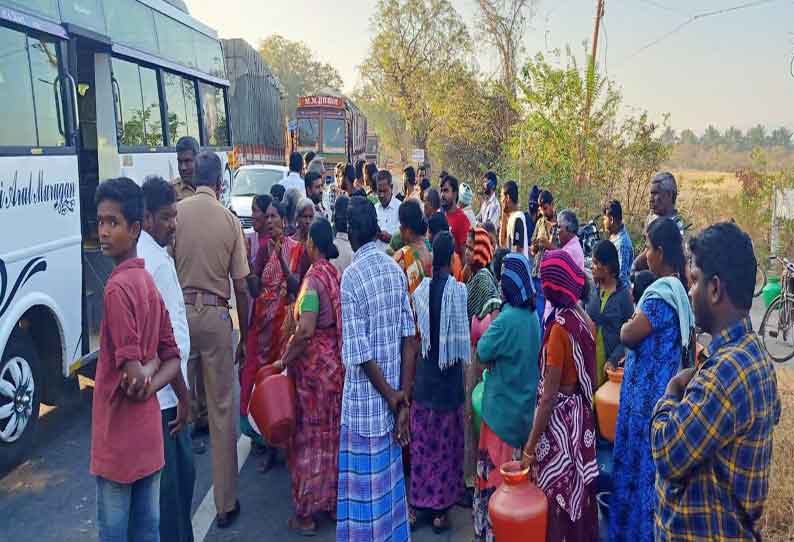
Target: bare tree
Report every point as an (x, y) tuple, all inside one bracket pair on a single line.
[(502, 24)]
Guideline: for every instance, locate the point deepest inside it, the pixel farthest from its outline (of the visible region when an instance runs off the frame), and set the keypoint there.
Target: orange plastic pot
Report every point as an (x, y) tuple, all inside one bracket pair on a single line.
[(518, 509), (607, 401), (272, 407)]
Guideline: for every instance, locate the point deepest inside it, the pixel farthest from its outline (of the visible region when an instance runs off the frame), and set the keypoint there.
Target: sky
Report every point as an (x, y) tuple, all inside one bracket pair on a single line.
[(732, 69)]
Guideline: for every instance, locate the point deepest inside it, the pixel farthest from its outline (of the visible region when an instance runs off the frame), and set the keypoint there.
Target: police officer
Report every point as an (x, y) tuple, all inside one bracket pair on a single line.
[(187, 148), (209, 249)]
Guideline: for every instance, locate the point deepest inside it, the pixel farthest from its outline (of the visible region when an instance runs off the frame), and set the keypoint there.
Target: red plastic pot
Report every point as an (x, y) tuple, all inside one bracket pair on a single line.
[(272, 407), (518, 508)]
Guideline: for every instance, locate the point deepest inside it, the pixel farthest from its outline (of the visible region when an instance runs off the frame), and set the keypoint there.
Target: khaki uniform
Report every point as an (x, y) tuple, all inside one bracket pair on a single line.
[(208, 249), (183, 190), (198, 395)]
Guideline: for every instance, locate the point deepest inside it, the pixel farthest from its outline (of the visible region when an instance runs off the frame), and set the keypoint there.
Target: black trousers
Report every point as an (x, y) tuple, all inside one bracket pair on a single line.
[(176, 484)]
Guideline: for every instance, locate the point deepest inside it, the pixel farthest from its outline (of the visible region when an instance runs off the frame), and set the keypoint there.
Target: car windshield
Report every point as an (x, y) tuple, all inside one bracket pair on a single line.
[(255, 182)]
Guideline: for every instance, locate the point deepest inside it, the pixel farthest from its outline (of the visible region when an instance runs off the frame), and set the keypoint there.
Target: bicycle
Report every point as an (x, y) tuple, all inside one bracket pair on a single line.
[(760, 279), (777, 326)]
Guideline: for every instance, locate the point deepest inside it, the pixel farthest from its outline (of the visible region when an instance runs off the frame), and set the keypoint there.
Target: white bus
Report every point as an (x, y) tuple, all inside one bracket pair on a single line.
[(89, 90)]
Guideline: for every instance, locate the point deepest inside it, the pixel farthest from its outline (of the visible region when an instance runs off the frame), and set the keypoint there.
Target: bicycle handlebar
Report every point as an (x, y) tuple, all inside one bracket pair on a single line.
[(784, 261)]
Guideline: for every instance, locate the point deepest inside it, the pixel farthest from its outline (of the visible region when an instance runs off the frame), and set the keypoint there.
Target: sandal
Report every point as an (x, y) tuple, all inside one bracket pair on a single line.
[(297, 527), (412, 518), (440, 524)]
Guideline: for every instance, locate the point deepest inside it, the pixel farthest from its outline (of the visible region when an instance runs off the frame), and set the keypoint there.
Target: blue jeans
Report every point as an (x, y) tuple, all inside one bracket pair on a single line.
[(128, 512)]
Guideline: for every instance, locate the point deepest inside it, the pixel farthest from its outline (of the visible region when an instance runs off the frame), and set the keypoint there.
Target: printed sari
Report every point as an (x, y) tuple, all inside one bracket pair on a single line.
[(566, 468), (410, 261), (318, 373), (267, 335)]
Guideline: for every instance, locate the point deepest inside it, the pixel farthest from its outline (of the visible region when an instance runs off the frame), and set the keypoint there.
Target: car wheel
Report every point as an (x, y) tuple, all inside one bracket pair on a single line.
[(20, 396)]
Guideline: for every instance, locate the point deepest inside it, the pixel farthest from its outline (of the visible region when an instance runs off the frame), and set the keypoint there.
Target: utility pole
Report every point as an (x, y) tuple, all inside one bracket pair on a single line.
[(590, 81)]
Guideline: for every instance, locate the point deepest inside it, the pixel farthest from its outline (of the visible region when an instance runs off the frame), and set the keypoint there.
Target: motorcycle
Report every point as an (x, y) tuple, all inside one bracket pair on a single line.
[(588, 236)]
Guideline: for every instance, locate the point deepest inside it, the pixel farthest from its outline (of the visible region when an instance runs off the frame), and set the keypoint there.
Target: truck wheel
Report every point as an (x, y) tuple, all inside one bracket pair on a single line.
[(20, 396)]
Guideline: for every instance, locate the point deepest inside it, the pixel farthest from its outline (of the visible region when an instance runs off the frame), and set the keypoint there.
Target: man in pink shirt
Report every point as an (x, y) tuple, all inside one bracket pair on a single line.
[(138, 356), (568, 225)]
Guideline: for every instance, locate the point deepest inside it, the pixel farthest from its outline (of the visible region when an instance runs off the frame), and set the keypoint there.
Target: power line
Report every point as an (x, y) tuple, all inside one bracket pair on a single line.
[(656, 4), (693, 19)]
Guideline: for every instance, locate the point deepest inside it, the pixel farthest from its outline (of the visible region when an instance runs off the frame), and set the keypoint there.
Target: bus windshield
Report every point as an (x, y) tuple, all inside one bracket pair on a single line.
[(308, 132), (333, 135)]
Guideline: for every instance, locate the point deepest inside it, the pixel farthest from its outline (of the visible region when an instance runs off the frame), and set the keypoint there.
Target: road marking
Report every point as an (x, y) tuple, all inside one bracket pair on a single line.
[(206, 512)]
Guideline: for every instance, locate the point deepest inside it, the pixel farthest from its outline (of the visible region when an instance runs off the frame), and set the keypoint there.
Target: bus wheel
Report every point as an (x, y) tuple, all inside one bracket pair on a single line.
[(20, 396)]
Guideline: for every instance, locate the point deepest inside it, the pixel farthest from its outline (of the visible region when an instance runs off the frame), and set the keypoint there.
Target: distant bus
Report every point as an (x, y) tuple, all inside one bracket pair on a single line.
[(90, 90), (373, 149), (332, 126)]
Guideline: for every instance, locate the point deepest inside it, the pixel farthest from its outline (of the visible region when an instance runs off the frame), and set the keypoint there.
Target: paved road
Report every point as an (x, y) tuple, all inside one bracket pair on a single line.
[(51, 497)]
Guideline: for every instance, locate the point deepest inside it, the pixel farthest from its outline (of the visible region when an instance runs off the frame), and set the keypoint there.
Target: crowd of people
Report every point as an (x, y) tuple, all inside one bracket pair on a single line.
[(367, 300)]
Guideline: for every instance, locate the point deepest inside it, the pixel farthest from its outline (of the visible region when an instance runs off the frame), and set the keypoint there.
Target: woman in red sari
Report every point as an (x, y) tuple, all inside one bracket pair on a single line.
[(313, 358), (273, 285)]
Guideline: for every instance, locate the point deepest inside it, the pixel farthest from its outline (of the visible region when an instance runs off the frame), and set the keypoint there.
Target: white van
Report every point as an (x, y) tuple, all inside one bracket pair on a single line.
[(89, 92)]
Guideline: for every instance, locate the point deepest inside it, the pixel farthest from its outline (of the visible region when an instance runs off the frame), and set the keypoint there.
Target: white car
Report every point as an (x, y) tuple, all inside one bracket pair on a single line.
[(250, 181)]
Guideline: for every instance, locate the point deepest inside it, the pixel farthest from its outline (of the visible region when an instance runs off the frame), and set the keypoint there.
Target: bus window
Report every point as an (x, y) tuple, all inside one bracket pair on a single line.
[(334, 135), (308, 133), (48, 8), (180, 95), (210, 55), (139, 103), (85, 13), (28, 75), (177, 41), (130, 22), (214, 108), (18, 127), (46, 92)]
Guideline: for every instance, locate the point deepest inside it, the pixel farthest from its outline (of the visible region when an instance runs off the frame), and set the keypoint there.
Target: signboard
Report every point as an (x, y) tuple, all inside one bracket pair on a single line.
[(418, 155), (321, 101)]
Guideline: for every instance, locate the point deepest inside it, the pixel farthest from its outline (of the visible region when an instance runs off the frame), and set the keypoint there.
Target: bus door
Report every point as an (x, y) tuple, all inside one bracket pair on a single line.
[(90, 67)]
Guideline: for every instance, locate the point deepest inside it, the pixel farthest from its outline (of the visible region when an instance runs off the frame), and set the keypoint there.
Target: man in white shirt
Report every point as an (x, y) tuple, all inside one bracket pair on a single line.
[(387, 210), (178, 474), (294, 179), (490, 210)]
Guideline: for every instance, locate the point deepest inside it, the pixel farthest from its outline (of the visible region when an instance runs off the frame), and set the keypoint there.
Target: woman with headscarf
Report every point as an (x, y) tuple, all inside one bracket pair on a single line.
[(414, 257), (436, 481), (313, 358), (274, 281), (561, 447), (659, 335), (483, 298), (510, 348)]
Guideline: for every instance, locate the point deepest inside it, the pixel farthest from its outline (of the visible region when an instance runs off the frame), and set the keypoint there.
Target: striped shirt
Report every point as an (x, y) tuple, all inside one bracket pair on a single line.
[(376, 315), (713, 448), (622, 242)]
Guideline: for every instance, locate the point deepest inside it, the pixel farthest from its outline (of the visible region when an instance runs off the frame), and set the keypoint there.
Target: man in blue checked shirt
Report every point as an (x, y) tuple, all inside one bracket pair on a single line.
[(619, 235), (711, 433), (378, 352)]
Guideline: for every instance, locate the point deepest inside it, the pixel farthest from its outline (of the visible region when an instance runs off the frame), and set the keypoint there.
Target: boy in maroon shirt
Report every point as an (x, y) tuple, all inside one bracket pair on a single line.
[(137, 356)]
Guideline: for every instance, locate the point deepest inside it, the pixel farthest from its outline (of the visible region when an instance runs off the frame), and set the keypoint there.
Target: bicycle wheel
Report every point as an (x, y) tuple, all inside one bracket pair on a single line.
[(760, 280), (777, 329)]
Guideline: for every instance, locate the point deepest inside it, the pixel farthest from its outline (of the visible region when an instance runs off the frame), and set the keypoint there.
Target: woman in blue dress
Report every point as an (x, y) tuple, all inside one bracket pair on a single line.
[(659, 333)]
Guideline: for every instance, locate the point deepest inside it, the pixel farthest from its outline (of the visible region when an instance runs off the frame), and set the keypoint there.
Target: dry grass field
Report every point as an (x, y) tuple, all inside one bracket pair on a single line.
[(777, 523)]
